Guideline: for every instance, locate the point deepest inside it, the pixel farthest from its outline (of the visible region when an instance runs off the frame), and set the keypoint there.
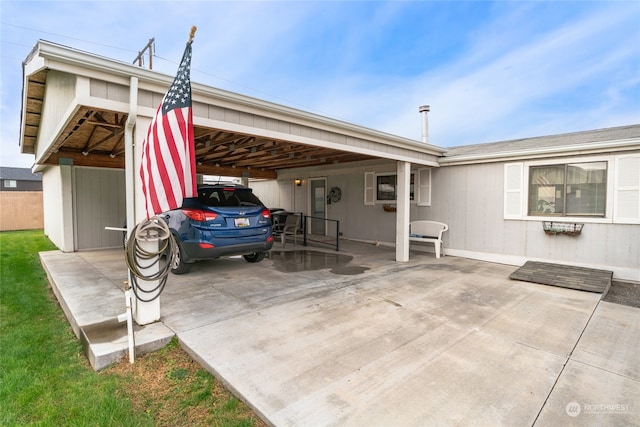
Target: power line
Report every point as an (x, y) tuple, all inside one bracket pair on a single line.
[(67, 37), (172, 62), (249, 88)]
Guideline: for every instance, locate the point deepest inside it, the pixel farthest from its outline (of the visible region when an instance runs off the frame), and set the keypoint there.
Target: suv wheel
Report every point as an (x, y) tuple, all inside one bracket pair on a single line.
[(255, 257), (182, 267)]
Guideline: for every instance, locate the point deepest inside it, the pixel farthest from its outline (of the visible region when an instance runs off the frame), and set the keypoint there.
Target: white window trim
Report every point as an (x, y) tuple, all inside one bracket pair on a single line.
[(374, 188), (10, 183), (524, 208)]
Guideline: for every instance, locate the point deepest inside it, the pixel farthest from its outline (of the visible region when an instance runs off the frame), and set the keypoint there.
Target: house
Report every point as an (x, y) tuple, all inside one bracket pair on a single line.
[(19, 179), (80, 110), (497, 198), (20, 199)]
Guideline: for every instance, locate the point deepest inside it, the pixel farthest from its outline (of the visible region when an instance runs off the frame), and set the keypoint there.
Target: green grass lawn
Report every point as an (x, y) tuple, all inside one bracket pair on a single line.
[(45, 379)]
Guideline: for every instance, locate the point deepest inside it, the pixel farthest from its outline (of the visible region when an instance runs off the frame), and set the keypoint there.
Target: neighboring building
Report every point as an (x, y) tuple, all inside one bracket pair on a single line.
[(20, 199), (19, 179), (494, 197)]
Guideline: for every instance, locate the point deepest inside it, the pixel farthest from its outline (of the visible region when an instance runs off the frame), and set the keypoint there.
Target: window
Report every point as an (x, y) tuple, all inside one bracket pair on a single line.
[(387, 187), (381, 188), (10, 183), (574, 189)]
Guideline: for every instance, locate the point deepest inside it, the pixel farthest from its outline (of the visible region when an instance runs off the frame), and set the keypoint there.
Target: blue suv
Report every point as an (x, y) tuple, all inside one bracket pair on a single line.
[(225, 219)]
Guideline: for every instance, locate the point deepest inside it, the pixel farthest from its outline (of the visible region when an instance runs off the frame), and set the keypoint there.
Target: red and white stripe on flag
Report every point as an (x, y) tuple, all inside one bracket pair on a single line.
[(168, 170)]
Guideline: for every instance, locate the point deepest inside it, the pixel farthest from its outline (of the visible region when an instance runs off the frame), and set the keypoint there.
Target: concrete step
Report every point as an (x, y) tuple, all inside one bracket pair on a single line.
[(106, 343)]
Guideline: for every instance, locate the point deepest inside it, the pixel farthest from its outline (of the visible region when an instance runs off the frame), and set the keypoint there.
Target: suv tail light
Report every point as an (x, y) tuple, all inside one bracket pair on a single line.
[(200, 215), (266, 213)]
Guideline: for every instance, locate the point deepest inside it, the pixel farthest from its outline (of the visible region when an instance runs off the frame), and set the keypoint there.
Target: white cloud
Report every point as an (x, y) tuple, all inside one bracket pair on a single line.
[(500, 91), (490, 71)]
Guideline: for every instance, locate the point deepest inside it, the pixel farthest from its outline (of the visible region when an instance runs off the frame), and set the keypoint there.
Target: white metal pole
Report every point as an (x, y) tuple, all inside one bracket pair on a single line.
[(130, 198)]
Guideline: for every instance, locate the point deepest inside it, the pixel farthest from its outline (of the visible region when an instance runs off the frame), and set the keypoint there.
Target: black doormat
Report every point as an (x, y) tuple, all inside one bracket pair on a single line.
[(564, 276)]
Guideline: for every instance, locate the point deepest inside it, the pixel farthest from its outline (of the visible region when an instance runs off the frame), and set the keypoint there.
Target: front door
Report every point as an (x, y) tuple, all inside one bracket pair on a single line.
[(318, 206)]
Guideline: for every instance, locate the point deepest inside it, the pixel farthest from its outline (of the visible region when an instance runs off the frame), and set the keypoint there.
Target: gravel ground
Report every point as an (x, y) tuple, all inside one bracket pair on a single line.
[(626, 293)]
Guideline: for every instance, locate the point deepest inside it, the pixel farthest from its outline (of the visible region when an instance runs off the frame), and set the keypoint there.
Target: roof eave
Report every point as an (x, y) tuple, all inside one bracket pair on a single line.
[(567, 150), (54, 53)]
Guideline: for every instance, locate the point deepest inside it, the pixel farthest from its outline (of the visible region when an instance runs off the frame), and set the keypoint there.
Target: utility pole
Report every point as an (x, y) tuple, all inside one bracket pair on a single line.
[(139, 58)]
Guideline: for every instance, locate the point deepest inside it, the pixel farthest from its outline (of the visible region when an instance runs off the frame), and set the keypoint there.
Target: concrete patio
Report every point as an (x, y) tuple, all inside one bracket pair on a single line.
[(311, 337)]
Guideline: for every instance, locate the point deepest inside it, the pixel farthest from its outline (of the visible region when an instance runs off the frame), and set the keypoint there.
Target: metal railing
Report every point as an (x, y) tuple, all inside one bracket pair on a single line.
[(327, 221), (304, 228)]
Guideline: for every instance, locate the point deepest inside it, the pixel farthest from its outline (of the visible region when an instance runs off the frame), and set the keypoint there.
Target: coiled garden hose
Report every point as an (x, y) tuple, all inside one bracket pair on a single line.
[(140, 259)]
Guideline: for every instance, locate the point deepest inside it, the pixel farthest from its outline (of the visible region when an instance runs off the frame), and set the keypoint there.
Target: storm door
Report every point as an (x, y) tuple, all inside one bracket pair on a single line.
[(318, 206)]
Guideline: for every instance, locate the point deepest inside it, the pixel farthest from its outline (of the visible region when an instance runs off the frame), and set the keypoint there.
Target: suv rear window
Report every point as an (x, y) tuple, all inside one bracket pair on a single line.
[(220, 197)]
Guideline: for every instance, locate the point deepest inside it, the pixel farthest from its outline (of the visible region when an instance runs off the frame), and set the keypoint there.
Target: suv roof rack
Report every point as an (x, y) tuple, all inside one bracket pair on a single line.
[(222, 184)]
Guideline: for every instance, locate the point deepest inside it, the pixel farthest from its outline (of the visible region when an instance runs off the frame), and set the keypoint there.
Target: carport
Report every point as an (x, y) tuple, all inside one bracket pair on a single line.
[(79, 109)]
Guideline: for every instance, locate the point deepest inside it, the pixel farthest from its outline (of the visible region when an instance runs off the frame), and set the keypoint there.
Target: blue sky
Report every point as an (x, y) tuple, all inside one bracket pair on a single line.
[(490, 71)]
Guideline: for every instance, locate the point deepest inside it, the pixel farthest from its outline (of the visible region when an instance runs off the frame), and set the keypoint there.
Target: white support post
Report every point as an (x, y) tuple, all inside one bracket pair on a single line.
[(130, 202), (402, 211), (144, 312), (148, 311)]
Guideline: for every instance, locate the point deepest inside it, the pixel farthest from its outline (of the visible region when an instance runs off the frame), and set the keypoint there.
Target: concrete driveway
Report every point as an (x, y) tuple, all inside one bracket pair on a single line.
[(316, 338)]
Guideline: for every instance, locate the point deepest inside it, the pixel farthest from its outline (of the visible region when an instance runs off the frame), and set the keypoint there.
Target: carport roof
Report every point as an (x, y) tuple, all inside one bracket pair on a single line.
[(235, 135)]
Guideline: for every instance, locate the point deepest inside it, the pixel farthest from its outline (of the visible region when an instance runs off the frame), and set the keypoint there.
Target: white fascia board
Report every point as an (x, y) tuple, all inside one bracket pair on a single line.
[(32, 65), (234, 127), (535, 153), (70, 60), (78, 62), (104, 104), (281, 112), (326, 169)]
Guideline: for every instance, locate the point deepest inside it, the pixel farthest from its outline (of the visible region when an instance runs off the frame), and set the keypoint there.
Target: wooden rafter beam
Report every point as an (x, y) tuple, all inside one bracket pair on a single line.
[(90, 147), (239, 172), (97, 160)]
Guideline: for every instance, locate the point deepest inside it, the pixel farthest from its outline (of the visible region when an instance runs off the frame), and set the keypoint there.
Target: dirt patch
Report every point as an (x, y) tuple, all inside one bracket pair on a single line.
[(625, 293), (176, 391)]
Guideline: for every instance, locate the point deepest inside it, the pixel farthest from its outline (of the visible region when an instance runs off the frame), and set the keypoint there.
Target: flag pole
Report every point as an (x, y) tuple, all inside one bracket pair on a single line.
[(167, 172)]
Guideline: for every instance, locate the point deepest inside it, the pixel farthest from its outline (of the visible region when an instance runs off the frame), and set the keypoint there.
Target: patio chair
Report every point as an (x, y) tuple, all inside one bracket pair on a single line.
[(290, 228), (428, 232)]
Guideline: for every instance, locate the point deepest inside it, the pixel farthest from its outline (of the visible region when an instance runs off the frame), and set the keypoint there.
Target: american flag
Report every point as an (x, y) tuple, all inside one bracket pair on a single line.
[(168, 170)]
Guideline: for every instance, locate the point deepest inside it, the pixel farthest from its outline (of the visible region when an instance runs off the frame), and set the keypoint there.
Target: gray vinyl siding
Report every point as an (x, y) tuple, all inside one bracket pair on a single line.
[(99, 202), (470, 200), (108, 90)]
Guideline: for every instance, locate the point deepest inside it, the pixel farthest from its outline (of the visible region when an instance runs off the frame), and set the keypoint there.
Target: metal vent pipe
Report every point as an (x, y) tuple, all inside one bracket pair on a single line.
[(424, 109)]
